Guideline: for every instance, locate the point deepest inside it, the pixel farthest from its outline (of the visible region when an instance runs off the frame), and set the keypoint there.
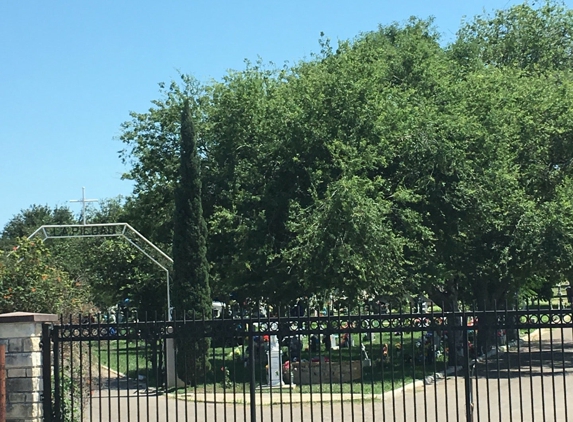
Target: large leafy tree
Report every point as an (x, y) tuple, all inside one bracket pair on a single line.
[(152, 150), (516, 85), (389, 164), (483, 191)]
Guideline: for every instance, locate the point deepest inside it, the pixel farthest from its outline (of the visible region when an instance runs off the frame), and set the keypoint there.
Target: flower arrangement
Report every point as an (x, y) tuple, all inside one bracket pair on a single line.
[(226, 381)]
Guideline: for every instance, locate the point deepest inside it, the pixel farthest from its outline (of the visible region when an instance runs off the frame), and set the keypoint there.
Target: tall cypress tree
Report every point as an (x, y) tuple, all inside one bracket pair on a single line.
[(191, 292)]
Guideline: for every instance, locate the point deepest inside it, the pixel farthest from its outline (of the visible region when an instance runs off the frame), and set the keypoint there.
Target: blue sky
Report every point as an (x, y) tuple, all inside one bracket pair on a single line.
[(71, 71)]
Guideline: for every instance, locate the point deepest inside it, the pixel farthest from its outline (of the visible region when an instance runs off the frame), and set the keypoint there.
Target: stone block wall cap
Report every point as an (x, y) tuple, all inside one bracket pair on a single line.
[(27, 317)]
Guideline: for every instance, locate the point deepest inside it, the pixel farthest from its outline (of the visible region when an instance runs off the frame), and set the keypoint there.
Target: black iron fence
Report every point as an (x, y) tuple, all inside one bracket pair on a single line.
[(372, 364)]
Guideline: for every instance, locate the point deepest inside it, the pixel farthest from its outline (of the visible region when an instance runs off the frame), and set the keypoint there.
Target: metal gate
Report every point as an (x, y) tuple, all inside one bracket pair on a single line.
[(268, 364)]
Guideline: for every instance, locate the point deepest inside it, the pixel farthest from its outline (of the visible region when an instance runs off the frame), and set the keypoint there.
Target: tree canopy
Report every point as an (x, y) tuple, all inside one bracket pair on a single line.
[(110, 269), (390, 164)]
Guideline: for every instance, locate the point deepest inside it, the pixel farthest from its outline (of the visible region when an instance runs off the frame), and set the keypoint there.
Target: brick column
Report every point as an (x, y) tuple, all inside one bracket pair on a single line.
[(21, 333)]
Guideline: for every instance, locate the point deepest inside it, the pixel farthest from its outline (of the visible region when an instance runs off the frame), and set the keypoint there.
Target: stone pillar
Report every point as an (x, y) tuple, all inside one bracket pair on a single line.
[(21, 333)]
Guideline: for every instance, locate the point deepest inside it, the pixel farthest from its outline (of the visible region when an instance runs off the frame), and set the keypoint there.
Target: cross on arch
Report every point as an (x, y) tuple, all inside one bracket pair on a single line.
[(84, 201)]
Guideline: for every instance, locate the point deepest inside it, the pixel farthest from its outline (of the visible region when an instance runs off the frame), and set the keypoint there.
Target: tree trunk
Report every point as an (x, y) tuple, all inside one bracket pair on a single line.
[(448, 298)]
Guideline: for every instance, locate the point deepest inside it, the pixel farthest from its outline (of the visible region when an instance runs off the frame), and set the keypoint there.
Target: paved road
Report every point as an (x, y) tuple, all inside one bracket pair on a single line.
[(535, 385)]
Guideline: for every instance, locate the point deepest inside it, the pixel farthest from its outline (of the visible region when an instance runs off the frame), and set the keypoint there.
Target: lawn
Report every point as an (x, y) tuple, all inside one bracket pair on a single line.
[(393, 361), (130, 358)]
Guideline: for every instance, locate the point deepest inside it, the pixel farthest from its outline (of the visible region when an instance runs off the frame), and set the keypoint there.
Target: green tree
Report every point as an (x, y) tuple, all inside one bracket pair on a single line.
[(534, 39), (191, 292), (152, 142), (523, 52), (112, 268), (116, 270), (31, 282), (27, 221), (388, 164)]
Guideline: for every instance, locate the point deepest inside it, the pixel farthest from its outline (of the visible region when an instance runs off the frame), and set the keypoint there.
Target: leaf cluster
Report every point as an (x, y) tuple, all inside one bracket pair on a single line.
[(31, 282)]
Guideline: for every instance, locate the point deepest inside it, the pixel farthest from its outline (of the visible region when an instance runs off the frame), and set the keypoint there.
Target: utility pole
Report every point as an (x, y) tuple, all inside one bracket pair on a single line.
[(83, 201)]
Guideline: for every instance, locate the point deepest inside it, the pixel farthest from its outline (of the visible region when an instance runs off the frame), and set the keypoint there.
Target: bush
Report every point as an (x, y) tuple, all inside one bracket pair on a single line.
[(31, 282)]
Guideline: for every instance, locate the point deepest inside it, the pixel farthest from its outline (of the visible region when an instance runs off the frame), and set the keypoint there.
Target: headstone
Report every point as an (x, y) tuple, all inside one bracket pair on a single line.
[(274, 370), (334, 342)]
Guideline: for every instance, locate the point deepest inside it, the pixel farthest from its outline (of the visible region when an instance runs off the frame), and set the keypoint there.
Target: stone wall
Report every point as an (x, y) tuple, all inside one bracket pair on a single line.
[(21, 332)]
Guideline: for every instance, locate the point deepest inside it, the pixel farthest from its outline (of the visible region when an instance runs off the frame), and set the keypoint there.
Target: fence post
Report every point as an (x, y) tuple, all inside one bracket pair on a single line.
[(46, 345), (252, 371), (2, 383), (467, 372)]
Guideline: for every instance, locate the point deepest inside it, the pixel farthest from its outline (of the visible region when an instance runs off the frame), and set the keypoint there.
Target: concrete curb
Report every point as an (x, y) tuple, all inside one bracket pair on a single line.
[(113, 372)]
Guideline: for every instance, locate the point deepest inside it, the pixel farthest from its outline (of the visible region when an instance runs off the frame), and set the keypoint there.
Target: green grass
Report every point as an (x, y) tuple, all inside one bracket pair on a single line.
[(397, 368), (377, 379), (126, 357)]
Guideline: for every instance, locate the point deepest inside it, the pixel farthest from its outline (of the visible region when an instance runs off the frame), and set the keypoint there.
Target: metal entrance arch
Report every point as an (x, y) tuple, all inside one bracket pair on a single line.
[(68, 231)]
